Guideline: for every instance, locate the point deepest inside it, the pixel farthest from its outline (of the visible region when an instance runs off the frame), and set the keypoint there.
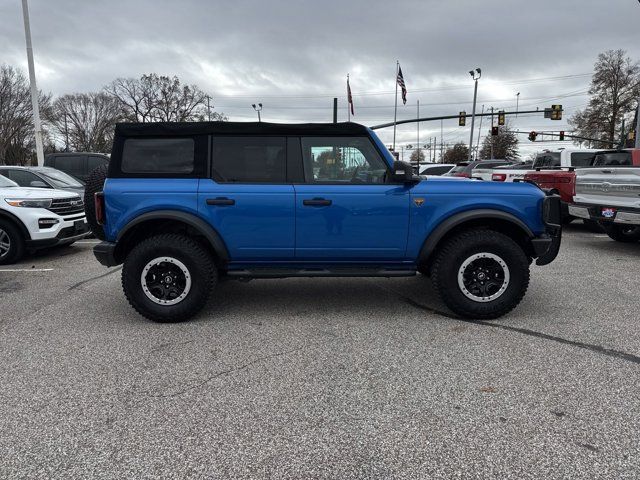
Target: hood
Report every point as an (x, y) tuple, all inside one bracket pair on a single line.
[(36, 193)]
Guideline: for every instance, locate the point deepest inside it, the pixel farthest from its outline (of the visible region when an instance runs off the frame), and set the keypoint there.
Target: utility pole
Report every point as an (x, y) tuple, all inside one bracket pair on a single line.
[(479, 133), (335, 110), (473, 113), (441, 141), (208, 108), (492, 134), (34, 89), (638, 124), (66, 133), (418, 127)]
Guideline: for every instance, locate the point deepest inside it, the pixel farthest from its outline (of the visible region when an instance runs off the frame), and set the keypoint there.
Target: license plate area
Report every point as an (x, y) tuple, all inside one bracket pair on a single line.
[(78, 226), (608, 212)]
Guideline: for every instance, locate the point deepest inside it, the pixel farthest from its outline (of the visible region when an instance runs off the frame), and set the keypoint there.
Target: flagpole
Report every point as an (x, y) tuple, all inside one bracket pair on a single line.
[(348, 102), (395, 109)]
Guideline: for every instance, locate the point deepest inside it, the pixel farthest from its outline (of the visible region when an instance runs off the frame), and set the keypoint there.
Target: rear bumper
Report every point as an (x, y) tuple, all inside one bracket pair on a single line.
[(105, 254), (621, 215), (547, 245)]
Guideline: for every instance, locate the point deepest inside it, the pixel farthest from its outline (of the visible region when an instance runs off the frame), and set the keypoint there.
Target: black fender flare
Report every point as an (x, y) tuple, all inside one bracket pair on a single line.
[(18, 223), (430, 243), (206, 230)]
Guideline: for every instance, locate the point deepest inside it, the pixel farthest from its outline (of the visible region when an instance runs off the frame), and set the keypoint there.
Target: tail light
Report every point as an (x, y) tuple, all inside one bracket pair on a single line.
[(99, 207), (462, 174), (499, 177)]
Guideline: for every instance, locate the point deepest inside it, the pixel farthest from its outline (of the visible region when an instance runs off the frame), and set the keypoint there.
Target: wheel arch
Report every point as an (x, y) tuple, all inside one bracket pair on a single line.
[(489, 219), (4, 215), (165, 221)]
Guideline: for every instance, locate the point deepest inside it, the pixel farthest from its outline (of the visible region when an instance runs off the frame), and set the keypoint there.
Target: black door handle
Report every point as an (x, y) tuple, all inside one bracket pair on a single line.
[(221, 201), (317, 202)]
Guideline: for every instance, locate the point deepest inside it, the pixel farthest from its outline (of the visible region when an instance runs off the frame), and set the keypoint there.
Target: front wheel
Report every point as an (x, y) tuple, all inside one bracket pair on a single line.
[(622, 233), (481, 274), (11, 243), (168, 277)]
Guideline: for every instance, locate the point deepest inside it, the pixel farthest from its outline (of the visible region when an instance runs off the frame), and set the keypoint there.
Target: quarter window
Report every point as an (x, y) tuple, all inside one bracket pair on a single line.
[(342, 160), (158, 156), (73, 164), (243, 159)]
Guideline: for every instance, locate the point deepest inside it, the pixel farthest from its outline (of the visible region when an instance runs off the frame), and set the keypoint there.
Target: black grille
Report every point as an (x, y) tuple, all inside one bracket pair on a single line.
[(67, 206)]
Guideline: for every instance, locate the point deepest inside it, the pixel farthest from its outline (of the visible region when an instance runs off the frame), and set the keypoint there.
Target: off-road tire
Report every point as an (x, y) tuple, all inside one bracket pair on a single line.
[(450, 258), (622, 233), (192, 254), (16, 243), (94, 184)]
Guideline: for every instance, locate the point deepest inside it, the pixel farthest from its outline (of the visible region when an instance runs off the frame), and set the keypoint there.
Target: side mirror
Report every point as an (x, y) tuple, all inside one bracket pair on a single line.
[(38, 184), (403, 173)]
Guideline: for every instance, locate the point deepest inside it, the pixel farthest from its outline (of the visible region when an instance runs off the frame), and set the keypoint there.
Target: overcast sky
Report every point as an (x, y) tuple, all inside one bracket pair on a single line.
[(293, 56)]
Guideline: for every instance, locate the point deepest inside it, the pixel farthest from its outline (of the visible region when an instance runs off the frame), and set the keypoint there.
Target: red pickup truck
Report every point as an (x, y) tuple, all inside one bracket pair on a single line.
[(563, 181)]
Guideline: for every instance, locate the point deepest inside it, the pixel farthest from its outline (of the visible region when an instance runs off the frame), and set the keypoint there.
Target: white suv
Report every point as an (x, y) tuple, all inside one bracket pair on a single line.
[(35, 218)]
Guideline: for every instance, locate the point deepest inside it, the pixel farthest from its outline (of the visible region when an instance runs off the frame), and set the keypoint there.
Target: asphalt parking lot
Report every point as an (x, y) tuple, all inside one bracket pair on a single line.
[(322, 378)]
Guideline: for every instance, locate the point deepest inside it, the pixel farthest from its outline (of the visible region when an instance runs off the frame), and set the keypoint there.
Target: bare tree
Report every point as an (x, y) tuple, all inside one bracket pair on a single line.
[(615, 87), (505, 144), (458, 153), (156, 98), (17, 138), (417, 156), (86, 121)]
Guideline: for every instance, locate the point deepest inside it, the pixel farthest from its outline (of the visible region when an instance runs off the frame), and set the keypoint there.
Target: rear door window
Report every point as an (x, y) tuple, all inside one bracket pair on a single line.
[(581, 159), (72, 164), (249, 159), (161, 156), (614, 159), (94, 162)]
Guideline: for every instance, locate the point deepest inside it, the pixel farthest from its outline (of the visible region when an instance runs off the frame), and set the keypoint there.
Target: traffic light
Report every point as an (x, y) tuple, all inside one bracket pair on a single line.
[(556, 112), (561, 134), (501, 117), (462, 119), (532, 136), (494, 131)]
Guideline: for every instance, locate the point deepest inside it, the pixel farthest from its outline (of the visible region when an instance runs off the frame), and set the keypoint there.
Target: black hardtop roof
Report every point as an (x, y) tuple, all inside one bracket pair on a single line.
[(233, 128)]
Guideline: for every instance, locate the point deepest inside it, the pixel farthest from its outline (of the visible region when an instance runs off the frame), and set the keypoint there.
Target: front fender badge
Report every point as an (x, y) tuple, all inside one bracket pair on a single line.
[(418, 201)]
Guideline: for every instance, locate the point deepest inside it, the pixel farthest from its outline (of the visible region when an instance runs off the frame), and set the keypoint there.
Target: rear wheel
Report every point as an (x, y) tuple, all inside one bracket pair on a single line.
[(168, 278), (622, 233), (481, 274), (95, 183), (11, 243)]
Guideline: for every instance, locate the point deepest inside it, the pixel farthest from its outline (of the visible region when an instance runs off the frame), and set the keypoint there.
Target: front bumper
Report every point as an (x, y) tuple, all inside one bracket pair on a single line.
[(619, 215), (67, 234), (547, 245), (105, 254)]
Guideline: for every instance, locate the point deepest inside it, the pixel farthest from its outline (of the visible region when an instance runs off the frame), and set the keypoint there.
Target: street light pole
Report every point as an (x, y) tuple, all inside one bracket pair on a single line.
[(473, 113), (418, 127), (257, 109), (34, 89)]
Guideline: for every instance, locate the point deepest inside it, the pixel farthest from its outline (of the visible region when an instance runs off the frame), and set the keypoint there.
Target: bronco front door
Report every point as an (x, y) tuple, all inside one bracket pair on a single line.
[(346, 210)]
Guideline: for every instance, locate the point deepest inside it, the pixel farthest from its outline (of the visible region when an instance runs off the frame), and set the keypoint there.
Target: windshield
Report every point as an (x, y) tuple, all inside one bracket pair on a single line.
[(5, 182), (60, 179), (612, 159), (459, 168)]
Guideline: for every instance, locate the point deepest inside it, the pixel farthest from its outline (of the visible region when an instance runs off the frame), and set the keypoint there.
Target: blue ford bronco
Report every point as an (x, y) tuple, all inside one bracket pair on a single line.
[(185, 204)]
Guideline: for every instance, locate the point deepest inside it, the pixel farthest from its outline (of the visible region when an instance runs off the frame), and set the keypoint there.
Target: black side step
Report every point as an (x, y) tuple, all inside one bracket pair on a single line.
[(321, 272)]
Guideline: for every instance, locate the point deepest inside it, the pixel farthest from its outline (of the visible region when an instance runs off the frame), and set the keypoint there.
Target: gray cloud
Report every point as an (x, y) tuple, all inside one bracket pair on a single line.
[(293, 56)]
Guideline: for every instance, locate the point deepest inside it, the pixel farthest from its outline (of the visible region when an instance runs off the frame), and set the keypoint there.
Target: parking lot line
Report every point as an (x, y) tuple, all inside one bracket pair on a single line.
[(26, 269)]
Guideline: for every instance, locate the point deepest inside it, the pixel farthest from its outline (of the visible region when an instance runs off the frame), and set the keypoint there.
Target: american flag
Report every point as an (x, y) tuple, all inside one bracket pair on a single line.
[(401, 84), (349, 97)]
